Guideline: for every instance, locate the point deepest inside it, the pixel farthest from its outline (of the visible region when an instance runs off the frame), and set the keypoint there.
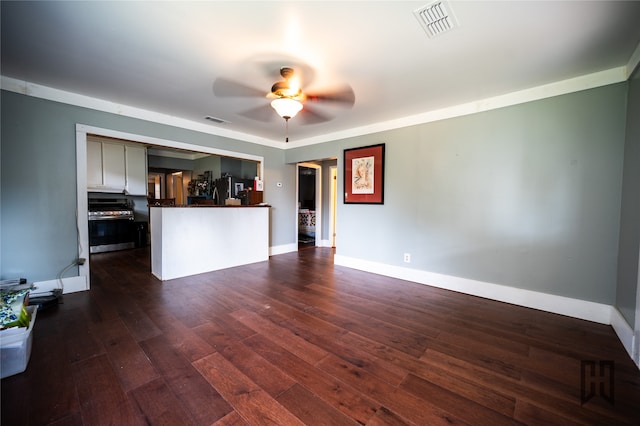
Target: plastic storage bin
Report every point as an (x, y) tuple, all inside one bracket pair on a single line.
[(15, 347)]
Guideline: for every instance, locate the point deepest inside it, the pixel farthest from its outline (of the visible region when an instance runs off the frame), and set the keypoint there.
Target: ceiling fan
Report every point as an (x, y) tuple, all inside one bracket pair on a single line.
[(288, 98)]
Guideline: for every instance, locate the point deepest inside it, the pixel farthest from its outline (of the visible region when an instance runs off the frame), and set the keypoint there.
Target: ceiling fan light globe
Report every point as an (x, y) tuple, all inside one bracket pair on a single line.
[(286, 108)]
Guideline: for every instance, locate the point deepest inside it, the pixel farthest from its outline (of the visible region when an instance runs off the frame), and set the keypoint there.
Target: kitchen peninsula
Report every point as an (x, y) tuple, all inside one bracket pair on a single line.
[(189, 240)]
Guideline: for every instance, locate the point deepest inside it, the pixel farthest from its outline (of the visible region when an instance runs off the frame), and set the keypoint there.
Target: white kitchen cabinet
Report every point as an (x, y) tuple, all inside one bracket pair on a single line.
[(116, 167), (94, 165), (136, 169), (113, 166)]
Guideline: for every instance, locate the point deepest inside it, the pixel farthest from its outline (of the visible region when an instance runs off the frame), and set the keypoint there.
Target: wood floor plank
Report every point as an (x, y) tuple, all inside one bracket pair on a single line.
[(328, 388), (572, 410), (179, 336), (247, 398), (311, 409), (137, 320), (102, 400), (129, 361), (232, 326), (204, 404), (478, 339), (101, 305), (231, 419), (159, 405), (400, 338), (80, 340), (399, 317), (414, 408), (15, 407), (496, 360), (386, 417), (186, 306), (273, 380), (74, 419), (387, 371), (463, 386), (323, 335), (289, 341), (468, 410), (530, 414)]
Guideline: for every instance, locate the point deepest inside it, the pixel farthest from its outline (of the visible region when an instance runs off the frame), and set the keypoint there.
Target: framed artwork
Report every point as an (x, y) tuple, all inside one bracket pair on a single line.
[(364, 175)]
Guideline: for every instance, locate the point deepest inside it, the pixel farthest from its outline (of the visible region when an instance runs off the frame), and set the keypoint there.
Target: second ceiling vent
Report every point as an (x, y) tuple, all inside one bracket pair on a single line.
[(436, 18)]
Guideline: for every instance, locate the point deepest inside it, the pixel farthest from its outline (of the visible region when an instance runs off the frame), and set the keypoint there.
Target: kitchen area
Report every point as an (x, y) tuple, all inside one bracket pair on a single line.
[(126, 180)]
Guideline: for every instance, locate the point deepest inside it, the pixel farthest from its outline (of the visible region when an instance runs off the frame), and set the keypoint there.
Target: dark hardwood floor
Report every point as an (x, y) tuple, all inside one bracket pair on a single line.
[(297, 340)]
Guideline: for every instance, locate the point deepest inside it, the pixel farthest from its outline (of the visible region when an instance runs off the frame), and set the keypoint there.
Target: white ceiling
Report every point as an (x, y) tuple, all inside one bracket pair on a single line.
[(165, 56)]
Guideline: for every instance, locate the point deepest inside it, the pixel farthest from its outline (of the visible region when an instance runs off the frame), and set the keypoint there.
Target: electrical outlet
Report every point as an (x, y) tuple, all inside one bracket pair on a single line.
[(80, 261), (407, 258)]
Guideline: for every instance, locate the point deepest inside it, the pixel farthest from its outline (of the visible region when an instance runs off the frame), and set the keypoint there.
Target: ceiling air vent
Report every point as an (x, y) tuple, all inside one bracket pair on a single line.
[(216, 119), (436, 18)]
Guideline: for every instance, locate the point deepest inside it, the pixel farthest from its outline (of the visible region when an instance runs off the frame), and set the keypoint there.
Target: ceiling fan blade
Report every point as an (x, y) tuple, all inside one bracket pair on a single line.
[(310, 115), (262, 113), (343, 95), (224, 87)]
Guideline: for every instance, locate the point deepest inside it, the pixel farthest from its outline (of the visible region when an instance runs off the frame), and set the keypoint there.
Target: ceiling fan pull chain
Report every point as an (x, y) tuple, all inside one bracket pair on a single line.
[(287, 130)]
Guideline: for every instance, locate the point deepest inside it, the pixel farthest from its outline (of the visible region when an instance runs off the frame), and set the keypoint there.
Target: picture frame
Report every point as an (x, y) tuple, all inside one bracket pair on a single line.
[(364, 175)]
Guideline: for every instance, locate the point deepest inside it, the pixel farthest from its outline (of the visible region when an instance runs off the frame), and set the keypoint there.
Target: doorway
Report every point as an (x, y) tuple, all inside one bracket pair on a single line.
[(309, 215), (156, 188), (177, 183)]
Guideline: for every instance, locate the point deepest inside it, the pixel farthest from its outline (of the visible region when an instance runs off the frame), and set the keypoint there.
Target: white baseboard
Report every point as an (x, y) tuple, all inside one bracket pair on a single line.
[(325, 243), (625, 334), (71, 285), (591, 311), (288, 248), (285, 248)]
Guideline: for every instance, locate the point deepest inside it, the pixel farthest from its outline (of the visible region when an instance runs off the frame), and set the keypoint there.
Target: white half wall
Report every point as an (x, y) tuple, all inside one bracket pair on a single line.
[(192, 240)]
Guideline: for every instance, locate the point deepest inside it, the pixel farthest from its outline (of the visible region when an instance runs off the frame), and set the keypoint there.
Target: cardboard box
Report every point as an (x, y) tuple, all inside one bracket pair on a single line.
[(15, 347), (232, 202)]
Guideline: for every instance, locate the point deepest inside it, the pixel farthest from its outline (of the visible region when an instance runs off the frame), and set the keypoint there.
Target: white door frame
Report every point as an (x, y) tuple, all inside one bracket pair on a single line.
[(318, 169), (333, 204)]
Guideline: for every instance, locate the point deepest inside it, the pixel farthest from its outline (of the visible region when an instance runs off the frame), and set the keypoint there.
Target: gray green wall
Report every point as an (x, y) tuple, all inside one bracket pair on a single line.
[(38, 177), (629, 248), (526, 196)]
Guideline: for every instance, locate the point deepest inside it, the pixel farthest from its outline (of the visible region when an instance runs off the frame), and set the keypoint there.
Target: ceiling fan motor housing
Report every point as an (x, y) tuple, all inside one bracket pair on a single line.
[(282, 89), (286, 72)]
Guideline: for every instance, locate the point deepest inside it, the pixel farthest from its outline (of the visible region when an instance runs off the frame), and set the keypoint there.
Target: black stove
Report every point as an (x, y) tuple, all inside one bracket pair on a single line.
[(111, 225), (100, 209)]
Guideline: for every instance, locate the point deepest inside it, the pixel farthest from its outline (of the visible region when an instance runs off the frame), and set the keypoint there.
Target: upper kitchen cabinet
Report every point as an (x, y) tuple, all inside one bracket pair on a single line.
[(116, 167), (135, 160)]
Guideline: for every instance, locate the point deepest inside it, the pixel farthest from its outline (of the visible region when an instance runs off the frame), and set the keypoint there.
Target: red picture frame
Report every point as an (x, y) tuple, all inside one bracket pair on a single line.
[(364, 175)]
